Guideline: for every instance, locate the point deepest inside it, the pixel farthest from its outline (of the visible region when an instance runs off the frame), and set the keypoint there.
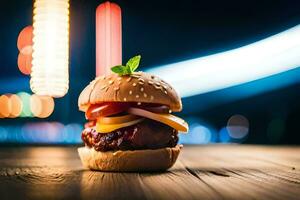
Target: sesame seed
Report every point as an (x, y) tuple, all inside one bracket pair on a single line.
[(129, 79), (170, 111), (136, 75), (150, 82), (111, 82), (166, 92), (145, 95), (134, 84), (142, 89), (141, 83), (142, 80), (157, 87), (137, 96), (103, 87), (119, 83), (165, 86), (116, 88), (119, 78), (139, 103), (130, 92), (125, 99), (151, 97)]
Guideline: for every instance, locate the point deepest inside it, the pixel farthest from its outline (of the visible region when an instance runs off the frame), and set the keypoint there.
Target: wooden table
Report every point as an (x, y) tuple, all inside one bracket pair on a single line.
[(202, 172)]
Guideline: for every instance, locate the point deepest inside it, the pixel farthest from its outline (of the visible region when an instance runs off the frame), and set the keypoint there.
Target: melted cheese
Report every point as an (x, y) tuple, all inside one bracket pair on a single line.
[(106, 128)]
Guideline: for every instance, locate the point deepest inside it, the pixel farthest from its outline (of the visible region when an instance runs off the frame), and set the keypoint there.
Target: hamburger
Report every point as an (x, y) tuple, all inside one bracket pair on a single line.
[(130, 122)]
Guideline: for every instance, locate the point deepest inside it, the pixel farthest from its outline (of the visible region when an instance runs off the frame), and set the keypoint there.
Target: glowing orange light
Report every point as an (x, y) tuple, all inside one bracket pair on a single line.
[(4, 106), (24, 63), (24, 42), (41, 106), (108, 37), (15, 104)]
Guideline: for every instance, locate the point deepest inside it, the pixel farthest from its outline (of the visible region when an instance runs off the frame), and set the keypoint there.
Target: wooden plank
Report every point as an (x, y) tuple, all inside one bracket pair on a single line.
[(202, 172), (177, 183), (250, 172)]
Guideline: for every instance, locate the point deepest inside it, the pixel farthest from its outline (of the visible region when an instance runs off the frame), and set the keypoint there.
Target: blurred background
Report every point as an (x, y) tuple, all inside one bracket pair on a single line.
[(263, 111)]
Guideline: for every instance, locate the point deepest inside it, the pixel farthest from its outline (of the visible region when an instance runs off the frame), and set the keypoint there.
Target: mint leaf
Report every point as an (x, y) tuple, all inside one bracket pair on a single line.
[(130, 67), (119, 69), (133, 63)]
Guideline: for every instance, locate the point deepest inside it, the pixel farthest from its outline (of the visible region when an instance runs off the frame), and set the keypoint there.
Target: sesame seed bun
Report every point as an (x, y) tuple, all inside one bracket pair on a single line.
[(125, 161), (137, 87)]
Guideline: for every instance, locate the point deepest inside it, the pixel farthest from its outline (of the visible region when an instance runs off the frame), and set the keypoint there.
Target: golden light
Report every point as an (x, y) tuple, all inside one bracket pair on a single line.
[(41, 106), (24, 42), (4, 106), (50, 58), (25, 63), (16, 105)]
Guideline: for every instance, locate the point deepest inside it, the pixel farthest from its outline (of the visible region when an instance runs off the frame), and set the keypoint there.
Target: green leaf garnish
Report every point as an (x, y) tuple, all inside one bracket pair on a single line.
[(130, 67), (133, 63), (119, 69)]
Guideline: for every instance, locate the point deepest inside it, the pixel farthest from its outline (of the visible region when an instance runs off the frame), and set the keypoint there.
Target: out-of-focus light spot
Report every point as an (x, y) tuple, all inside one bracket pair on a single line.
[(50, 57), (4, 106), (258, 60), (238, 126), (275, 130), (3, 134), (25, 97), (24, 41), (199, 133), (16, 105), (72, 133), (42, 132), (24, 63), (224, 135), (41, 106)]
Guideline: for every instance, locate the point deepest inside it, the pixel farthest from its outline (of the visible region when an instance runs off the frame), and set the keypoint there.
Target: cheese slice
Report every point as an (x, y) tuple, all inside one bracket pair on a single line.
[(106, 128), (168, 119)]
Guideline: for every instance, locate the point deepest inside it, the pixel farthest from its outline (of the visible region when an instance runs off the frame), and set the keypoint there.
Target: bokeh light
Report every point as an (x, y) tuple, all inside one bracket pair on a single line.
[(50, 57), (224, 136), (3, 134), (199, 133), (42, 133), (24, 41), (16, 105), (25, 105), (4, 106), (41, 106), (25, 63), (238, 126), (26, 111)]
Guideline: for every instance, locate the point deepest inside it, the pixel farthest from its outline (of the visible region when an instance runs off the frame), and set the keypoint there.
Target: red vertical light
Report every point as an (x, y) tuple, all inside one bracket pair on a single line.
[(108, 37)]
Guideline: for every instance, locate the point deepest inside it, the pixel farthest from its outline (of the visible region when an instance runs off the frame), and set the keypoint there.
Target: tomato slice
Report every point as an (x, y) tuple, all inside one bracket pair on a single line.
[(105, 109), (89, 124)]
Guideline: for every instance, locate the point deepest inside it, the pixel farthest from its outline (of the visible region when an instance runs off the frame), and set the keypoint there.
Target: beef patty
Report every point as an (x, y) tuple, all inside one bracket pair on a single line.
[(147, 134)]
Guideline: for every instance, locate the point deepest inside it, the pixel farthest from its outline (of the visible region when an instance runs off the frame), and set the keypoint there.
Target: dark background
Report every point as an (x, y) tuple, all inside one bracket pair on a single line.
[(165, 32)]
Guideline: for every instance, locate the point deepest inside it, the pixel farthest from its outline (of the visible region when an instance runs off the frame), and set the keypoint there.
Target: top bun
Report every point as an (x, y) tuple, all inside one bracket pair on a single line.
[(137, 87)]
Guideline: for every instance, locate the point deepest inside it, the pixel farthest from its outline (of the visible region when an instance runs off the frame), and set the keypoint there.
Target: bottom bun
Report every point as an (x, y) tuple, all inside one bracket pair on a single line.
[(125, 161)]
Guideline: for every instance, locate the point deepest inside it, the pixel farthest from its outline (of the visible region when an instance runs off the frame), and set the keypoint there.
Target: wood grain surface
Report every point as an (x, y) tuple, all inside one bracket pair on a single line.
[(201, 172)]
